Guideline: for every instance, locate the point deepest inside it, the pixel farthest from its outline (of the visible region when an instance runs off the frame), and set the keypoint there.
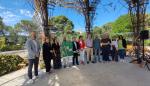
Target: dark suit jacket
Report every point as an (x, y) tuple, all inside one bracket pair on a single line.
[(74, 47)]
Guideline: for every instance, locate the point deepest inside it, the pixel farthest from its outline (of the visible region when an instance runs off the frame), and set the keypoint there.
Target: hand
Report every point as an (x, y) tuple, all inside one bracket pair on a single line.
[(37, 55)]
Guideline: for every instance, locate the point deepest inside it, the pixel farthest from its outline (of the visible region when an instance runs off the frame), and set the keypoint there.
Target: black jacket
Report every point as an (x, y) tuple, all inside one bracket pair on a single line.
[(74, 47), (46, 50), (124, 44)]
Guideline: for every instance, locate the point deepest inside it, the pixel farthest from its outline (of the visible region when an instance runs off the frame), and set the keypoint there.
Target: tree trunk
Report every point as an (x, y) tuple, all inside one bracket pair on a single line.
[(41, 7), (44, 11), (87, 18)]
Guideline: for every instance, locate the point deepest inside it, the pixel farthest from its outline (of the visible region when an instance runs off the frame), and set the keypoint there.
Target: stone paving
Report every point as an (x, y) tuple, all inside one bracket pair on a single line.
[(99, 74)]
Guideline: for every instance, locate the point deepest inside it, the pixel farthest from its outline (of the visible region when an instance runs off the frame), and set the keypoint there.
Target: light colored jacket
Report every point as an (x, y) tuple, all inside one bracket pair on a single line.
[(32, 53)]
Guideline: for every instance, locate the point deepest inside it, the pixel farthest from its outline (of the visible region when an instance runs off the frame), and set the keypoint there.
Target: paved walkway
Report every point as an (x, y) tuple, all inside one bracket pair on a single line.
[(99, 74), (21, 53)]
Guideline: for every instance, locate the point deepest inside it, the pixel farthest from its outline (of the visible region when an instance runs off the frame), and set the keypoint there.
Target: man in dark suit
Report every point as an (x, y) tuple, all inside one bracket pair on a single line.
[(75, 51)]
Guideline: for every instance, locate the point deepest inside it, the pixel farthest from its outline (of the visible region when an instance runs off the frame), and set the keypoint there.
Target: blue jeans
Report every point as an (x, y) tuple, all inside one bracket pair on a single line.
[(32, 62), (121, 53), (97, 55)]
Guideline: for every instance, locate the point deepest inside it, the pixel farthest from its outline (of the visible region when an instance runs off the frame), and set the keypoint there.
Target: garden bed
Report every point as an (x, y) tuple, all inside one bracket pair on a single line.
[(10, 63)]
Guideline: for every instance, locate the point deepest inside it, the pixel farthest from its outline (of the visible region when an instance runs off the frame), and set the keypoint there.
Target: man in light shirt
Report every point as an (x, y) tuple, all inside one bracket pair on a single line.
[(89, 48), (33, 48)]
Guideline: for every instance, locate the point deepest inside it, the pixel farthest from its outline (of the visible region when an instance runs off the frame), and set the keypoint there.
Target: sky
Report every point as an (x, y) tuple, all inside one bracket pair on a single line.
[(12, 11)]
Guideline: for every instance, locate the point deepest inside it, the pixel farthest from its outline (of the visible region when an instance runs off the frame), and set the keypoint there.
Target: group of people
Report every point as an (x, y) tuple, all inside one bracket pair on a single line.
[(80, 51), (98, 50), (50, 50)]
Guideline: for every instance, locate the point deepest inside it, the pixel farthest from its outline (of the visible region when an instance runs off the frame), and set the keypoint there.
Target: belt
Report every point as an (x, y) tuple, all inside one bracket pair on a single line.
[(89, 47)]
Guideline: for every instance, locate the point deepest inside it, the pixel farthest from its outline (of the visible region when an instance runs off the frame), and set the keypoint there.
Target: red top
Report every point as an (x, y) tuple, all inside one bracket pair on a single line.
[(82, 44)]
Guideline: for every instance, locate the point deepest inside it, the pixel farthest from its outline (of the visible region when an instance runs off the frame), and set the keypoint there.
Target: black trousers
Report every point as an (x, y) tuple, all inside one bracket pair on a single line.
[(75, 59), (57, 62), (105, 53), (32, 62), (47, 61), (114, 55)]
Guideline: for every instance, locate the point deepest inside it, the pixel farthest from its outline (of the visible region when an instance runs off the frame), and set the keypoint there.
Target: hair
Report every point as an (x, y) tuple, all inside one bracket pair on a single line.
[(80, 37), (105, 35), (44, 40), (32, 32), (55, 39), (120, 37)]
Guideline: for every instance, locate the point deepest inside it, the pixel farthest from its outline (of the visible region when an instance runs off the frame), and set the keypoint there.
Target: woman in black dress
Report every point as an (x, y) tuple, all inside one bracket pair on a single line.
[(47, 54), (57, 57)]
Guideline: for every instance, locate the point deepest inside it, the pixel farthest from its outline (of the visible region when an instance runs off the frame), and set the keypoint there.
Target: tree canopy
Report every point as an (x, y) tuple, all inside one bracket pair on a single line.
[(119, 26), (122, 24), (1, 23), (61, 23), (25, 25)]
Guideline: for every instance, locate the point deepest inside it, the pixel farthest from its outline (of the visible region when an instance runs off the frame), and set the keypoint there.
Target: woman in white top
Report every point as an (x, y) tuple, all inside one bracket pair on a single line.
[(114, 48)]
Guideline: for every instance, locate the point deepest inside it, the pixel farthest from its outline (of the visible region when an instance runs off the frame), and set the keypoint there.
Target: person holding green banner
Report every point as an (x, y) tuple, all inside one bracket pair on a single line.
[(66, 52)]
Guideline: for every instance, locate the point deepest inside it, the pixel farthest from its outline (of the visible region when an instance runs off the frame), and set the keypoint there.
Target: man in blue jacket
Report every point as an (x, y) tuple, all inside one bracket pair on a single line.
[(96, 45)]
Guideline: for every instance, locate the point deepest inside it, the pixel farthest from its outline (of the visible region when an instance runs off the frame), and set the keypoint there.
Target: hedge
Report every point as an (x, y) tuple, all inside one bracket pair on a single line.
[(10, 47), (2, 41), (9, 63)]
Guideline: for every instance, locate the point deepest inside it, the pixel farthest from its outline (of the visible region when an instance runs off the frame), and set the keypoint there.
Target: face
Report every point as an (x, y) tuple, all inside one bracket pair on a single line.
[(74, 38), (56, 40), (96, 36), (47, 40), (64, 38), (89, 36), (33, 35)]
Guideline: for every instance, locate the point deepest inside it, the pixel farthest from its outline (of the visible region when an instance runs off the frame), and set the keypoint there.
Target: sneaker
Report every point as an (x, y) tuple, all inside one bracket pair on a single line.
[(99, 61), (47, 73), (93, 62), (65, 66), (122, 60), (35, 77), (51, 71), (30, 81)]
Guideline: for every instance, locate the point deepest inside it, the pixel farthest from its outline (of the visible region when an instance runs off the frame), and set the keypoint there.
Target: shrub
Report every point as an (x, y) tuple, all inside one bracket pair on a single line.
[(147, 42), (2, 41), (9, 63), (10, 47)]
